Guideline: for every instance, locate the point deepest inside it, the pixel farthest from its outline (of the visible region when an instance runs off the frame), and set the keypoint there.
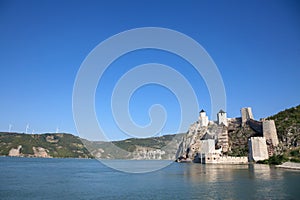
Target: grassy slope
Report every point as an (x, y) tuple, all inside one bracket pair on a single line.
[(288, 130), (63, 145), (288, 126)]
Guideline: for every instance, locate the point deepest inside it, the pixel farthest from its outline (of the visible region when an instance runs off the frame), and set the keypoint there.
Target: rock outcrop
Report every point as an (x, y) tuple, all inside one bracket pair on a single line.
[(40, 152), (15, 152)]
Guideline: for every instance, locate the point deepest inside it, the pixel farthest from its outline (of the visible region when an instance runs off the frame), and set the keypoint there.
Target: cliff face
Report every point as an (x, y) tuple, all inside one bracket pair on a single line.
[(238, 135), (231, 140)]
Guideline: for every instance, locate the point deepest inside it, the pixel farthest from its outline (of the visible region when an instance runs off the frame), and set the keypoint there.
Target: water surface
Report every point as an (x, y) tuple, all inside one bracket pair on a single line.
[(37, 178)]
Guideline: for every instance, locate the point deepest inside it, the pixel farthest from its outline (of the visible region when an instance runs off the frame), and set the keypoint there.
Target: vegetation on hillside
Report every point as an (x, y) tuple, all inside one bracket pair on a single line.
[(58, 145), (291, 155), (67, 145), (238, 140), (274, 160), (288, 131), (288, 127), (154, 142)]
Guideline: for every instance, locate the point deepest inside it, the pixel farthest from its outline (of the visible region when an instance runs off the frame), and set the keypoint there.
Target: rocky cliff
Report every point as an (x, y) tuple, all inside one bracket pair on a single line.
[(232, 140)]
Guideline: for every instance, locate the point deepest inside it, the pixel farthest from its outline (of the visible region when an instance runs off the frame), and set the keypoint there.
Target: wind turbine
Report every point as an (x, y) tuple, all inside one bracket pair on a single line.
[(9, 128), (57, 130), (27, 127)]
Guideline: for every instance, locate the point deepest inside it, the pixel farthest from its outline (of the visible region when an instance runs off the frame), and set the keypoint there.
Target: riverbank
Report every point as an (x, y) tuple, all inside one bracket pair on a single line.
[(289, 165)]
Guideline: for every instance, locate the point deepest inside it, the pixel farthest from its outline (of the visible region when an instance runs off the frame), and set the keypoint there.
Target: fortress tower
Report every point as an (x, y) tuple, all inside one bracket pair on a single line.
[(269, 131), (222, 118), (246, 114), (203, 119), (258, 149)]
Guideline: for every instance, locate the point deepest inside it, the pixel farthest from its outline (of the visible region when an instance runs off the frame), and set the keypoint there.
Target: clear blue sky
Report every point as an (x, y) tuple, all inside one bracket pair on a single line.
[(255, 44)]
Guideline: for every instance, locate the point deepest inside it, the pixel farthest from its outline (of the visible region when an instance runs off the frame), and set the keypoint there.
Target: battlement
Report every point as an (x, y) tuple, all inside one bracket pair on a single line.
[(215, 158)]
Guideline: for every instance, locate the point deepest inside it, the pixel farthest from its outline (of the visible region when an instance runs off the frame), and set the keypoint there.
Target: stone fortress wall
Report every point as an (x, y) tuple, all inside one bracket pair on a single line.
[(205, 136), (214, 158)]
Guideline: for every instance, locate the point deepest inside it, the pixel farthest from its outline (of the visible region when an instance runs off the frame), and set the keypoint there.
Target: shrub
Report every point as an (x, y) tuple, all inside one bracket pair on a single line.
[(274, 160)]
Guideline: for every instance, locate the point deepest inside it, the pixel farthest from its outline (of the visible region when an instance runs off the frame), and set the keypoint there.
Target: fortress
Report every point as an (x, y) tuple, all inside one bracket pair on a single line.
[(213, 141)]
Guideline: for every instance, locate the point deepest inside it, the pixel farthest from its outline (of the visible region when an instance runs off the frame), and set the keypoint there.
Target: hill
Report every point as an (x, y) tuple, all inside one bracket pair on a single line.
[(42, 145), (288, 130), (288, 127), (65, 145)]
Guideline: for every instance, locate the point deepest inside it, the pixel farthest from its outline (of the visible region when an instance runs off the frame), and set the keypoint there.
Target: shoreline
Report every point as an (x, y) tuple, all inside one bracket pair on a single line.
[(286, 165), (289, 165), (82, 158)]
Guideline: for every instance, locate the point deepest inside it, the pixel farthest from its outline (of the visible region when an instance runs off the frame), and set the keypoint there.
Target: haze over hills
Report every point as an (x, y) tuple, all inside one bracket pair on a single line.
[(67, 145)]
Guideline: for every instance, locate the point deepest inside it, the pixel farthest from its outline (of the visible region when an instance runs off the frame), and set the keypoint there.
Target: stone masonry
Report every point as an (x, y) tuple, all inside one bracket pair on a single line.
[(257, 149), (246, 114), (269, 131)]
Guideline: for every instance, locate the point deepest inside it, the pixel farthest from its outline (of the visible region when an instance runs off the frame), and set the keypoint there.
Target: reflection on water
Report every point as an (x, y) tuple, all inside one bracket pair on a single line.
[(253, 181), (212, 172), (264, 172), (136, 166)]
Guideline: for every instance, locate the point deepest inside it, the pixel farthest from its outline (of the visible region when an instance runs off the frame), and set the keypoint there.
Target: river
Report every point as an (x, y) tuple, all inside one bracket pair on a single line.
[(38, 178)]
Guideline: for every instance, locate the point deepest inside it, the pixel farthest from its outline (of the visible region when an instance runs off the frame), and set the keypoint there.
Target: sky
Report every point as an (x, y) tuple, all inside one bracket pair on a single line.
[(255, 45)]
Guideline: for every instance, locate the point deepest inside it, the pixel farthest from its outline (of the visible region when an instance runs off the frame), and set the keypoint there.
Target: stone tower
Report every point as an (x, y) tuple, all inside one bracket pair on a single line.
[(257, 149), (222, 118), (246, 114), (269, 131), (203, 119)]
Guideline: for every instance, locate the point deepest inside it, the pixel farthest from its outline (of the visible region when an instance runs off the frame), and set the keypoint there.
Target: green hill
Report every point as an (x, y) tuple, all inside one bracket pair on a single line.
[(65, 145), (288, 130), (56, 145), (288, 127)]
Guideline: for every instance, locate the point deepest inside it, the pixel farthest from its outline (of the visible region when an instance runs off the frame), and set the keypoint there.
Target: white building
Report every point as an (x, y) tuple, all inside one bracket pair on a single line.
[(222, 118), (203, 119)]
